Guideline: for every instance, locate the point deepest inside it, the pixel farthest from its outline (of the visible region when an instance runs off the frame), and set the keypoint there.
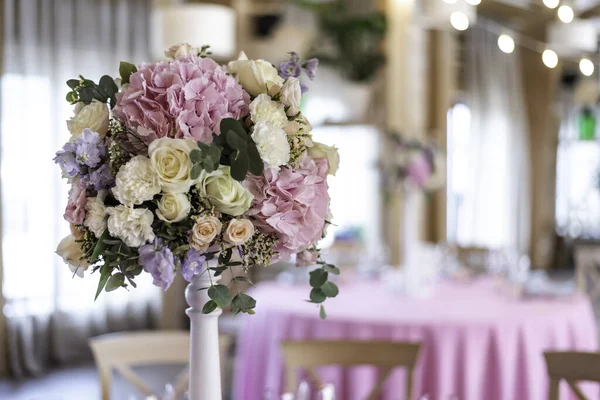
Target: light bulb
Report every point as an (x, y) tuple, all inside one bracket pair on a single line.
[(459, 21), (565, 14), (506, 43), (473, 2), (550, 58), (450, 1), (586, 67), (551, 3)]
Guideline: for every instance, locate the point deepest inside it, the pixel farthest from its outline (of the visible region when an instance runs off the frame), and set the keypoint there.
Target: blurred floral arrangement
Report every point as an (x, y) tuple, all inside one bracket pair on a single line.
[(352, 43), (185, 161), (409, 164)]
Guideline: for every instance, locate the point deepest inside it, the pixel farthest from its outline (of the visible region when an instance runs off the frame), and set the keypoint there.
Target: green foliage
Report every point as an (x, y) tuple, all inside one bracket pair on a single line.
[(356, 39), (206, 157), (220, 295), (86, 90), (322, 287), (209, 307), (238, 150), (119, 264), (125, 70)]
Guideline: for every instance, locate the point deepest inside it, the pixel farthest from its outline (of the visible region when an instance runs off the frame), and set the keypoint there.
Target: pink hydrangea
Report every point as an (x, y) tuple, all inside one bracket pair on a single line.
[(291, 204), (75, 211), (186, 97)]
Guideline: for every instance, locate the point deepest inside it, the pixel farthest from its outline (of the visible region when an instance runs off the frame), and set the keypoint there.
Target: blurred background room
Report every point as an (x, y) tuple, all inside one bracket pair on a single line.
[(466, 206)]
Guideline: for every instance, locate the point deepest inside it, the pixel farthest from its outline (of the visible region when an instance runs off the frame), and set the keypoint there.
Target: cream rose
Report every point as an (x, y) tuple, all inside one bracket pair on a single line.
[(173, 207), (70, 251), (179, 50), (255, 76), (225, 193), (238, 231), (170, 159), (204, 231), (290, 95), (320, 150), (93, 116)]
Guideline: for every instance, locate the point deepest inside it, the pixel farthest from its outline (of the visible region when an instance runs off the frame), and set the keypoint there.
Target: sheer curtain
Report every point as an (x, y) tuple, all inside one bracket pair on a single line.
[(495, 209), (50, 314)]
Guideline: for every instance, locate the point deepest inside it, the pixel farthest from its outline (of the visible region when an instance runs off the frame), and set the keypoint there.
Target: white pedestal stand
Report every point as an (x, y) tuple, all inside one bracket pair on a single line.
[(205, 369)]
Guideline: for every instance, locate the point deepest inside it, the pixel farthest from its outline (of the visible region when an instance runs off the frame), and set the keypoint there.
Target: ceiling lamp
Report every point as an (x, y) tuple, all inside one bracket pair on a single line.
[(506, 43), (196, 24), (459, 21), (550, 58), (566, 13), (586, 67)]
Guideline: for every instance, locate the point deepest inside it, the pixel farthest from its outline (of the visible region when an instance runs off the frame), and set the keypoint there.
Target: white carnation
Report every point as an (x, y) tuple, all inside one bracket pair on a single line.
[(136, 182), (272, 144), (93, 116), (132, 225), (95, 216), (263, 109)]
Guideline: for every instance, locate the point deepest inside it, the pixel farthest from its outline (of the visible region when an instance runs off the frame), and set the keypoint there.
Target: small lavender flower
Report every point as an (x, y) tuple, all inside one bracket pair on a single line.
[(303, 88), (290, 68), (90, 148), (102, 178), (310, 67), (158, 260), (192, 265), (65, 158)]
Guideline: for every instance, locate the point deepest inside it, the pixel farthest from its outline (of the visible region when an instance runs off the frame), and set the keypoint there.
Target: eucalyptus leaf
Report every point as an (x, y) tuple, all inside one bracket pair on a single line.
[(318, 277), (239, 166), (209, 307), (236, 141), (322, 313), (242, 278), (332, 269), (104, 275), (195, 156), (100, 246), (73, 83), (317, 296), (108, 85), (125, 70), (255, 164), (330, 289), (230, 124), (115, 282), (196, 171), (220, 295), (244, 302)]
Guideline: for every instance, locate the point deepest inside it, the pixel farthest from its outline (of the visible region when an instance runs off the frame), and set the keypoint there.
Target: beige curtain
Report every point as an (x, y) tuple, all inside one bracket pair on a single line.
[(49, 315)]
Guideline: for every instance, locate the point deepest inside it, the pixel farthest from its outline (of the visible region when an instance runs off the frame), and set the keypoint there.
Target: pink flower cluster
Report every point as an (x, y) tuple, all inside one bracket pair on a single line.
[(292, 205), (186, 97)]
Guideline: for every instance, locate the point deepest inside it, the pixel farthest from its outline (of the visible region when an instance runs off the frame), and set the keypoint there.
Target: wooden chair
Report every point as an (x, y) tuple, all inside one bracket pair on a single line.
[(572, 367), (310, 354), (121, 351)]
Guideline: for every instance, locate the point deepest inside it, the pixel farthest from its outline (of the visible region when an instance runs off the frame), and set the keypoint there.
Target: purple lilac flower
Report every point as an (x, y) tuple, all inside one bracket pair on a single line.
[(303, 88), (158, 260), (310, 67), (102, 178), (192, 265), (290, 68), (89, 148), (65, 158)]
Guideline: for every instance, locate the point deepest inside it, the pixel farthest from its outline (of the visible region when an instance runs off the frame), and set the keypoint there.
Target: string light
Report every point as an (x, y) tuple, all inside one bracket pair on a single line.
[(550, 58), (473, 2), (566, 13), (450, 1), (459, 21), (586, 67), (551, 3), (506, 43)]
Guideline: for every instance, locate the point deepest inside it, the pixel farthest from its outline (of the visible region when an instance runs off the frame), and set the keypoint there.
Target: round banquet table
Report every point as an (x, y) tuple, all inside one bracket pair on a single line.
[(477, 343)]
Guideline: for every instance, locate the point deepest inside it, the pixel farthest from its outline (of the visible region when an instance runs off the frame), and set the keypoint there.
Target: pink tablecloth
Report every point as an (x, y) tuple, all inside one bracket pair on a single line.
[(478, 344)]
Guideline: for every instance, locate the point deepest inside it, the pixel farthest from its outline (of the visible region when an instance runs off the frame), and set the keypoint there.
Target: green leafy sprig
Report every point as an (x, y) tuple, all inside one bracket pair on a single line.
[(85, 90), (238, 149), (322, 287)]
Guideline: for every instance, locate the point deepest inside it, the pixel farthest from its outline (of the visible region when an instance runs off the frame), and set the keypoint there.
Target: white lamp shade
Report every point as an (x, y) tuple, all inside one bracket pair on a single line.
[(196, 24), (570, 40), (437, 14)]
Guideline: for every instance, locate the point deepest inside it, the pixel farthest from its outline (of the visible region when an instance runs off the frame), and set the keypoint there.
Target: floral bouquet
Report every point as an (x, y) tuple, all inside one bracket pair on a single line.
[(185, 161), (412, 165)]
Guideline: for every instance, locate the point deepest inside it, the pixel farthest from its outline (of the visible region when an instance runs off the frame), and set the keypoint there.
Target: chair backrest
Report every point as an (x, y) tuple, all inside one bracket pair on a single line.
[(572, 367), (310, 354), (121, 351)]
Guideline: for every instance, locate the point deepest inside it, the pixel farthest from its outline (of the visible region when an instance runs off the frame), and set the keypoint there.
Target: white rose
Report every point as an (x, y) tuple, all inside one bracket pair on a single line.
[(255, 76), (263, 109), (290, 95), (93, 116), (320, 150), (225, 193), (132, 225), (205, 230), (272, 144), (95, 216), (70, 251), (171, 161), (136, 182), (173, 207), (238, 231), (179, 50)]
